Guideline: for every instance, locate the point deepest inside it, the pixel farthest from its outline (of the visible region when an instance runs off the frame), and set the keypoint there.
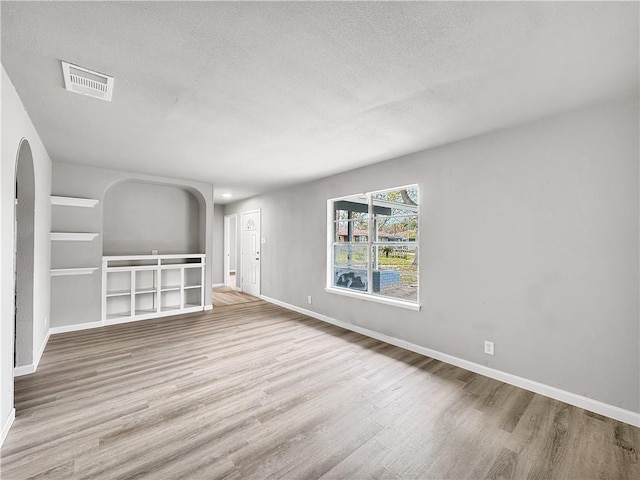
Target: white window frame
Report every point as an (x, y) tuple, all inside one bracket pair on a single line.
[(370, 243)]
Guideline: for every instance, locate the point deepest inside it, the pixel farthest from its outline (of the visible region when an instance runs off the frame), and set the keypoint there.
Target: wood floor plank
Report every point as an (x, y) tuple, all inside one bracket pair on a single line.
[(223, 296), (251, 390), (362, 463)]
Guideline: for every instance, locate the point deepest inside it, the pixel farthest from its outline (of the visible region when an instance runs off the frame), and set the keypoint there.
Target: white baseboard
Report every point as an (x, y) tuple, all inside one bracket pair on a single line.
[(42, 347), (7, 425), (24, 370), (73, 328), (31, 368), (216, 285), (617, 413), (611, 411), (152, 316), (119, 321)]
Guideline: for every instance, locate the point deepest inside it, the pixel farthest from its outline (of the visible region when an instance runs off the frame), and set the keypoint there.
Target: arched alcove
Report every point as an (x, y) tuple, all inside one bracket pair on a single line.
[(24, 254), (139, 217)]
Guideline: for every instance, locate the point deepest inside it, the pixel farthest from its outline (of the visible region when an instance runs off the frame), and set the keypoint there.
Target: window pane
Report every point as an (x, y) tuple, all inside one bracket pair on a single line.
[(351, 231), (395, 271), (398, 202), (354, 207), (352, 278), (350, 256), (397, 229)]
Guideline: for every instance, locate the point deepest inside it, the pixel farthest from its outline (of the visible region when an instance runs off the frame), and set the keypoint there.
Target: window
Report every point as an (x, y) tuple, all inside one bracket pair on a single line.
[(373, 246)]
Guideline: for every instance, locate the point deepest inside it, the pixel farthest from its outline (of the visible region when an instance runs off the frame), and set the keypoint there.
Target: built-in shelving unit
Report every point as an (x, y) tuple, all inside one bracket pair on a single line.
[(135, 287), (60, 201)]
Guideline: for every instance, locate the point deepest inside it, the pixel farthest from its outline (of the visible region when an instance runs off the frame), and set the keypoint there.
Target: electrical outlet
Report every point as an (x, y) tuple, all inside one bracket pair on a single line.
[(488, 347), (309, 299), (154, 252)]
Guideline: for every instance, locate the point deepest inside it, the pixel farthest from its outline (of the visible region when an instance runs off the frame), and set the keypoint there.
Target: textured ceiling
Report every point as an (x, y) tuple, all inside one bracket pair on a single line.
[(254, 96)]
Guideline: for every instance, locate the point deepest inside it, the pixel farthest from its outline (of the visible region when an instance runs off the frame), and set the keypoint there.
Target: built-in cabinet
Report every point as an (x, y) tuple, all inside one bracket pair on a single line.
[(136, 287)]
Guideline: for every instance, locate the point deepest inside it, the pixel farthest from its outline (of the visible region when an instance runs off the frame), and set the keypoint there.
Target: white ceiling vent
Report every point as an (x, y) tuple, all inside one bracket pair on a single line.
[(87, 82)]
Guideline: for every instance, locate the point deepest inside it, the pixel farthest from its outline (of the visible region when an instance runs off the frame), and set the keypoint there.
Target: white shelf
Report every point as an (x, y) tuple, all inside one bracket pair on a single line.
[(118, 293), (129, 268), (112, 258), (72, 237), (73, 201), (146, 290), (62, 272), (171, 288)]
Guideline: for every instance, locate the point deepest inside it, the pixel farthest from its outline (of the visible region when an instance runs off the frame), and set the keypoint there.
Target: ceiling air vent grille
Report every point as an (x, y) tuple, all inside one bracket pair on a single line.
[(87, 82)]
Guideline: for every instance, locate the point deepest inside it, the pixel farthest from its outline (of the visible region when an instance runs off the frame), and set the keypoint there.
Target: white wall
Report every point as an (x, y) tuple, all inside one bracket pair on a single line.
[(16, 125), (218, 245), (139, 217), (529, 238)]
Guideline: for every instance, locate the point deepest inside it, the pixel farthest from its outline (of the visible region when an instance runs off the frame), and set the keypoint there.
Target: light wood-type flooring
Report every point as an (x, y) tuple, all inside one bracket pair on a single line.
[(256, 391), (224, 296)]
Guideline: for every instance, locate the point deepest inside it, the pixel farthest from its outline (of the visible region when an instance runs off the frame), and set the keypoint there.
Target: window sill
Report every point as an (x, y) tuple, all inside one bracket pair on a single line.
[(374, 298)]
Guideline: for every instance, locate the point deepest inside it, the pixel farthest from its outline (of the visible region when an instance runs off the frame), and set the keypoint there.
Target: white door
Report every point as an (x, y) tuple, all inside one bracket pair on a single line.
[(250, 226)]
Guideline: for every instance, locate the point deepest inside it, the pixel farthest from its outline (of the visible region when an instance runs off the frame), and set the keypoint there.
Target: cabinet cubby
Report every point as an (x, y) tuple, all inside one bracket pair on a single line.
[(192, 296)]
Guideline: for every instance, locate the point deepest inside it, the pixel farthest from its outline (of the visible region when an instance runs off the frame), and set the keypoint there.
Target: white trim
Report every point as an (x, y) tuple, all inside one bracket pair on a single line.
[(617, 413), (41, 351), (374, 298), (216, 285), (73, 201), (74, 328), (611, 411), (110, 258), (24, 370), (228, 247), (7, 425), (118, 321), (142, 267), (148, 316), (32, 367)]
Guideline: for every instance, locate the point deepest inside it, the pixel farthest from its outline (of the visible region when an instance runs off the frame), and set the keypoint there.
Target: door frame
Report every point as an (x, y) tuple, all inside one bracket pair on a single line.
[(229, 247), (242, 214)]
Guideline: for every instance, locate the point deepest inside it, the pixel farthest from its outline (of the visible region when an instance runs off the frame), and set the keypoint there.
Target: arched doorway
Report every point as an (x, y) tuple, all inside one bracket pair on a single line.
[(23, 255)]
